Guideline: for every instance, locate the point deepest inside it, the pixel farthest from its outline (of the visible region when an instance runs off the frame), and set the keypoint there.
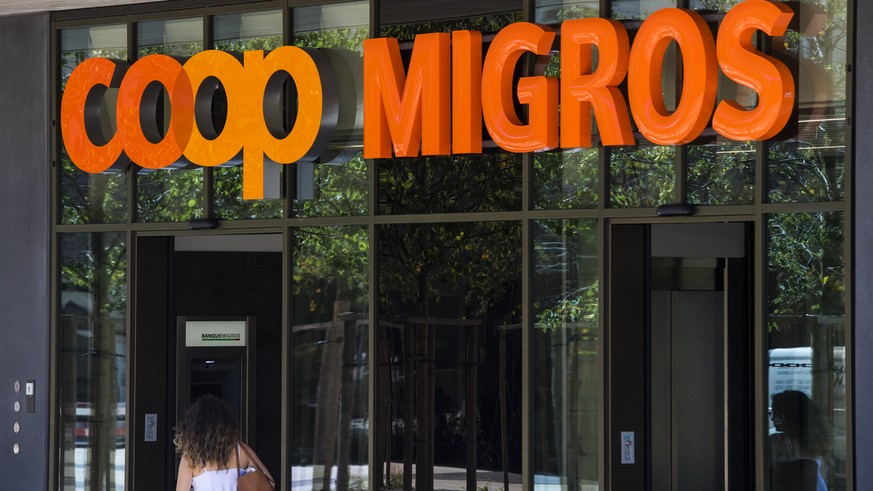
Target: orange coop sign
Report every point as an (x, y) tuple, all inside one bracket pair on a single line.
[(440, 102)]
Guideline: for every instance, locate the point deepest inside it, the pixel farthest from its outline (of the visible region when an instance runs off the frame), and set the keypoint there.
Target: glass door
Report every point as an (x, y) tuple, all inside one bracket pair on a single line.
[(681, 366)]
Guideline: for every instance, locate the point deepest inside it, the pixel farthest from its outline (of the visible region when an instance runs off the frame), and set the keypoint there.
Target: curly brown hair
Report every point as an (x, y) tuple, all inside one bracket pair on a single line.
[(207, 433)]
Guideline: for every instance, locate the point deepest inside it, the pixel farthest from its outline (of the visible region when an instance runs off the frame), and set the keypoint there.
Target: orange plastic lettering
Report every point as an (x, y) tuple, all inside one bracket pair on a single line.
[(582, 90), (77, 108), (311, 132), (767, 76), (540, 92), (466, 92), (422, 115), (700, 76), (226, 145), (167, 71)]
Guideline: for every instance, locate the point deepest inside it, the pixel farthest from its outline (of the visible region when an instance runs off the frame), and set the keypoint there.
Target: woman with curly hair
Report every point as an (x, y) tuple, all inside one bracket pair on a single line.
[(208, 439)]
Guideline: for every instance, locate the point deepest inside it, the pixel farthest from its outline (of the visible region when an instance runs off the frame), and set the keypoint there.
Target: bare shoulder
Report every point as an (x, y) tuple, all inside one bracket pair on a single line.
[(246, 455)]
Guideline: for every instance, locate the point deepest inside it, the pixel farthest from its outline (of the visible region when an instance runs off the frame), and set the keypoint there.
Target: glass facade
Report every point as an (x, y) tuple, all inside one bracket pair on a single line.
[(444, 319), (330, 354), (93, 360), (92, 198), (567, 385)]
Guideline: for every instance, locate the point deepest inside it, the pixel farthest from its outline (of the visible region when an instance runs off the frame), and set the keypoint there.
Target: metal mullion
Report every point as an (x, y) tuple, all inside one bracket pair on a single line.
[(808, 207), (563, 214), (90, 228), (286, 416), (208, 172), (132, 169), (328, 221), (680, 162), (759, 351), (527, 344), (130, 352), (54, 350), (849, 247), (721, 211), (451, 218), (182, 229), (372, 300), (289, 173), (372, 319), (54, 281), (603, 347), (761, 173), (130, 175), (527, 454), (603, 169)]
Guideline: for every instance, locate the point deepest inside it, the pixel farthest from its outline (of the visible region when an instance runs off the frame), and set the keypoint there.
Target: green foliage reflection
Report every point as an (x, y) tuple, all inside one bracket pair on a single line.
[(806, 269), (641, 176), (456, 184), (565, 180)]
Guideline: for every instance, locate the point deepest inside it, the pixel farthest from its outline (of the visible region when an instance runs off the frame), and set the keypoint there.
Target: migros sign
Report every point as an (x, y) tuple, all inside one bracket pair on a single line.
[(437, 106)]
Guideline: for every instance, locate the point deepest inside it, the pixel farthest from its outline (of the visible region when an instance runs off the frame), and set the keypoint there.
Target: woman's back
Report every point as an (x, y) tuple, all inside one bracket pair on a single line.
[(208, 439), (217, 480)]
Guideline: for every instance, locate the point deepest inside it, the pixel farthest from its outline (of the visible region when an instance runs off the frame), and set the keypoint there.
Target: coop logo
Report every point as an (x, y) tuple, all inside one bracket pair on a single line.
[(206, 336), (437, 106)]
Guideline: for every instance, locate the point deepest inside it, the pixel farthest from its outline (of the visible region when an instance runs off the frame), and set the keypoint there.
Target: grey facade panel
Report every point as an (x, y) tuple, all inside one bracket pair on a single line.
[(25, 247), (863, 238)]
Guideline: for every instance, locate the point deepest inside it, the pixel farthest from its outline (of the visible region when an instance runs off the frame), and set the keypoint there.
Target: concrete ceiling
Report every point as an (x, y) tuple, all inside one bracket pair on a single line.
[(16, 7)]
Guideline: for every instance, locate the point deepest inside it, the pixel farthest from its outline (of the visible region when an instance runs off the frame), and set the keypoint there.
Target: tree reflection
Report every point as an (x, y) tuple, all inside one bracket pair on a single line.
[(449, 307)]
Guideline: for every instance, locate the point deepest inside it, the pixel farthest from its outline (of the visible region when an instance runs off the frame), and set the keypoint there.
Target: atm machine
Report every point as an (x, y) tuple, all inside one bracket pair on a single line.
[(216, 355)]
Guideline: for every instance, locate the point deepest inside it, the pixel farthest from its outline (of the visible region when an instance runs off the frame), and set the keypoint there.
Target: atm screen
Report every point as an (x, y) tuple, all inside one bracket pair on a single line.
[(221, 377)]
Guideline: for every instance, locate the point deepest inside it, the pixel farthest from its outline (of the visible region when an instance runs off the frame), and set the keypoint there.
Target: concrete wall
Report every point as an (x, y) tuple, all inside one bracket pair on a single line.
[(24, 247), (863, 246)]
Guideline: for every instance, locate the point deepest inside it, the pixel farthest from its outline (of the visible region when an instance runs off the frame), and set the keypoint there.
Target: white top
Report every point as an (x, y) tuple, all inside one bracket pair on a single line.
[(220, 480)]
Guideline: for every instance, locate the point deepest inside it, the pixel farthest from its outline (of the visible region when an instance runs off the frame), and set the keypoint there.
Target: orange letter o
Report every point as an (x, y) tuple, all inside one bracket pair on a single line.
[(167, 71), (77, 109), (700, 76)]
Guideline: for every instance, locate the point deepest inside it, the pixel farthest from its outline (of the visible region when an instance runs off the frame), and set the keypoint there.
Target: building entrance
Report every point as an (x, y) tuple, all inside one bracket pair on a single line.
[(681, 366), (208, 320)]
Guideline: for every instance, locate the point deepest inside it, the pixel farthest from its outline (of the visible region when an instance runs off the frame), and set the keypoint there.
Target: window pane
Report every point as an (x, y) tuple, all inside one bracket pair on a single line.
[(806, 343), (403, 19), (461, 183), (566, 375), (556, 11), (565, 180), (337, 184), (810, 166), (170, 194), (449, 341), (176, 37), (721, 173), (93, 359), (92, 198), (713, 5), (638, 9), (330, 421), (246, 32), (642, 176)]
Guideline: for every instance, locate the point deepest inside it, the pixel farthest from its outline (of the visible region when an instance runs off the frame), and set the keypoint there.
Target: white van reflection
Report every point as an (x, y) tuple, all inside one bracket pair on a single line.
[(792, 369), (822, 379)]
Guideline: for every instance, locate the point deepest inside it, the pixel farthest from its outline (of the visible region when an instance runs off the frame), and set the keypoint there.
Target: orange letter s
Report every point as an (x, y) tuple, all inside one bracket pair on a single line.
[(742, 63)]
